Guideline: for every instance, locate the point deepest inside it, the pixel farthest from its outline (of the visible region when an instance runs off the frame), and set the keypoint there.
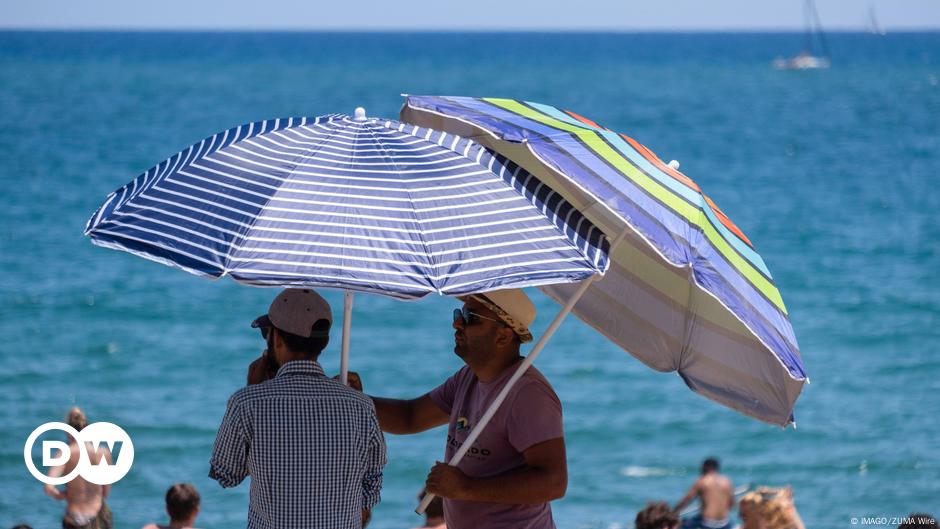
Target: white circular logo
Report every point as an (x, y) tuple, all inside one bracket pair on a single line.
[(107, 456)]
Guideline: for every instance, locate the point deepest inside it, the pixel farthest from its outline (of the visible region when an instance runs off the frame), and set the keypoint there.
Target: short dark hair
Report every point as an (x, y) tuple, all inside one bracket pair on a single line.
[(435, 508), (22, 526), (710, 464), (311, 347), (919, 520), (181, 501), (657, 515)]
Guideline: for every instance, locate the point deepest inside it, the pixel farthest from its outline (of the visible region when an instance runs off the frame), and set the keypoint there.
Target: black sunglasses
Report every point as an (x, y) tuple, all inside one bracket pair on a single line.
[(265, 332), (465, 316)]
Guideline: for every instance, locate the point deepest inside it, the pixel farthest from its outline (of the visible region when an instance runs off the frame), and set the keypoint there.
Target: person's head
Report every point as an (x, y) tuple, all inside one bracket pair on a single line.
[(747, 509), (710, 465), (919, 520), (297, 325), (657, 515), (776, 512), (496, 322), (76, 418), (435, 510), (182, 503), (22, 526)]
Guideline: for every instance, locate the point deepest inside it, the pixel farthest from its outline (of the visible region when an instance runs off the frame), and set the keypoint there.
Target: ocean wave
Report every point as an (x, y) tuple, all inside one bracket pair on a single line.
[(637, 471)]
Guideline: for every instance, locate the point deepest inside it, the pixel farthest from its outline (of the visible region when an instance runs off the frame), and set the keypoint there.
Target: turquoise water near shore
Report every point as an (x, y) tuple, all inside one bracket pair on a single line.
[(832, 174)]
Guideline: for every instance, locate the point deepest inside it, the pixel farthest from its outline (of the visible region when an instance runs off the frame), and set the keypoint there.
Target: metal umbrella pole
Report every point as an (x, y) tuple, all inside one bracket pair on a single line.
[(358, 115), (347, 326)]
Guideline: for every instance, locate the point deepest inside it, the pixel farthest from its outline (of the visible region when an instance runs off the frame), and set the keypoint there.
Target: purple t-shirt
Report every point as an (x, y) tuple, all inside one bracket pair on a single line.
[(530, 415)]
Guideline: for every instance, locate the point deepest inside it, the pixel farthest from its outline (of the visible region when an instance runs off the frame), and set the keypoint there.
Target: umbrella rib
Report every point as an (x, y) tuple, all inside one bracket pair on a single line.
[(420, 232)]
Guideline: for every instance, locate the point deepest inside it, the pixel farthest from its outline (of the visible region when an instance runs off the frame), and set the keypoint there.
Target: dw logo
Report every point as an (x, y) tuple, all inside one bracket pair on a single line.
[(99, 440)]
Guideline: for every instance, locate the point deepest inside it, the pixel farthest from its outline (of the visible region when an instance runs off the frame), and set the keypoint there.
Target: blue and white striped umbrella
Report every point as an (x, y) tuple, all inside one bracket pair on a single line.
[(353, 203)]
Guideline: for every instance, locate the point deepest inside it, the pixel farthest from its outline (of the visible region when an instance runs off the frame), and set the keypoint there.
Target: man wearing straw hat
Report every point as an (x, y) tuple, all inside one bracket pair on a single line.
[(517, 465)]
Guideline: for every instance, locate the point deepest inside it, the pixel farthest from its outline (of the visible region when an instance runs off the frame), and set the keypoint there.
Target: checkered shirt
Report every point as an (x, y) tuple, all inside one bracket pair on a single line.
[(312, 447)]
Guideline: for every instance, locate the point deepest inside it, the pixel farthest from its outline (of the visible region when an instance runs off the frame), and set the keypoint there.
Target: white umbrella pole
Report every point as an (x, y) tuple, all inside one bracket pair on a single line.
[(478, 429), (347, 326), (359, 115)]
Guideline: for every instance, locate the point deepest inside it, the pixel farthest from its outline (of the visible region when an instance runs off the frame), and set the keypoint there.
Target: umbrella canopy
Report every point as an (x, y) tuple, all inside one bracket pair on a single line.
[(353, 203), (686, 291), (358, 204)]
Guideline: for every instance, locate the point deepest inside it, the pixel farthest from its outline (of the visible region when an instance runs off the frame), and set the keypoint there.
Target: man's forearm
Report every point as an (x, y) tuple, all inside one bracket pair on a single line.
[(525, 485), (687, 499), (395, 416)]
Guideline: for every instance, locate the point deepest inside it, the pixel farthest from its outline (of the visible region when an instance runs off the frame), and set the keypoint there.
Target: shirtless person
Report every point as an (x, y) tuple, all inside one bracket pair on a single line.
[(84, 502), (717, 496)]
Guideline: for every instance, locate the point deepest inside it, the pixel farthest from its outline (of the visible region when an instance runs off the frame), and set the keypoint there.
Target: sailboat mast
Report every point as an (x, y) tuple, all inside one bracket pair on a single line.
[(818, 28), (808, 25)]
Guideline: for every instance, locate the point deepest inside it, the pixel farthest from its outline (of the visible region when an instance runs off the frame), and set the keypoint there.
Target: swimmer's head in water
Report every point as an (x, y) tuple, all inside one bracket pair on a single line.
[(76, 418), (710, 465), (657, 515), (182, 501)]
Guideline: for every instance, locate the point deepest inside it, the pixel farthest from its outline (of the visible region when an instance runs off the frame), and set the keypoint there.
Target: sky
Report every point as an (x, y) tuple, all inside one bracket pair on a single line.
[(478, 15)]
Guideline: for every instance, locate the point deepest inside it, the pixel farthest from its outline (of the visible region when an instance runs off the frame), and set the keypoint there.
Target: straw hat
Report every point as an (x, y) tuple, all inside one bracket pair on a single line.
[(512, 306)]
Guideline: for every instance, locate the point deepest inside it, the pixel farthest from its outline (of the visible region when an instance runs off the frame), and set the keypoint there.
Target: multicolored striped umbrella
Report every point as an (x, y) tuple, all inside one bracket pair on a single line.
[(686, 291)]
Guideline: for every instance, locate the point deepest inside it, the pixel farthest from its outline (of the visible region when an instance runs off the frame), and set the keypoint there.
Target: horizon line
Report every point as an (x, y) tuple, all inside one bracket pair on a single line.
[(145, 29)]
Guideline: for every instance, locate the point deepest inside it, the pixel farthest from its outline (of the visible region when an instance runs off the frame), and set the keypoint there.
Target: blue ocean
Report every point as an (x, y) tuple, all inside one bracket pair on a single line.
[(833, 174)]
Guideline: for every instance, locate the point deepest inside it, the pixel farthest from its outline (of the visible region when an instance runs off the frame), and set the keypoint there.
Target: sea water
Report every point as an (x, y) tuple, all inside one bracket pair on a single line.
[(833, 174)]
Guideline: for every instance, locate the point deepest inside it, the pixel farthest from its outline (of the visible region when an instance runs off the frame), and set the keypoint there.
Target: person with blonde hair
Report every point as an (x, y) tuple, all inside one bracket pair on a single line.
[(85, 506), (769, 508), (747, 511)]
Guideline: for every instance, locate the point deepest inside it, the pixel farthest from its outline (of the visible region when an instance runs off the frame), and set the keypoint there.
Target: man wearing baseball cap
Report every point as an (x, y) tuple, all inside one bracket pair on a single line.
[(312, 446), (517, 466)]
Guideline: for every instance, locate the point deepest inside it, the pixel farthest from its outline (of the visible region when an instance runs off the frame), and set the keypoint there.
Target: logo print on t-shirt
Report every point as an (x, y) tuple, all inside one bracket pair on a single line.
[(463, 424)]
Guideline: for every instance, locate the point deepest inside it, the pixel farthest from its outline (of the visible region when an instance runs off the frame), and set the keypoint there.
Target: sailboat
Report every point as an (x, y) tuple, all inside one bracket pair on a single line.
[(873, 26), (806, 60)]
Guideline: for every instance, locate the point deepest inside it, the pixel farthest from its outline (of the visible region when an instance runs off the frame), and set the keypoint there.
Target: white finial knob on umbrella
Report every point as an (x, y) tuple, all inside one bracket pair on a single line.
[(360, 114), (674, 164)]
